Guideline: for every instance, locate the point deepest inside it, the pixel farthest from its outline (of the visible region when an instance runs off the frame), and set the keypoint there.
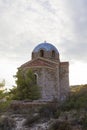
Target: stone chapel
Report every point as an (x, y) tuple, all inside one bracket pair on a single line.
[(52, 75)]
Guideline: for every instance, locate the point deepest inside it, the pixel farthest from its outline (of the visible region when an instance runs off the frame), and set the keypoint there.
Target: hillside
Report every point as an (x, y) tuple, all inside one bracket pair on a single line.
[(68, 115), (77, 98)]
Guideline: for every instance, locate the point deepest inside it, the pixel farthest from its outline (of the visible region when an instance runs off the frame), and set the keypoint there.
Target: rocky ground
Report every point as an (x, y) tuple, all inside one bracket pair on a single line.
[(43, 118), (36, 115)]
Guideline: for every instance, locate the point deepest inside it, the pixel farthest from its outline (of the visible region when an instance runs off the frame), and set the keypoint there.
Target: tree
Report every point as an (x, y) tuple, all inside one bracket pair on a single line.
[(26, 86), (2, 84), (2, 94)]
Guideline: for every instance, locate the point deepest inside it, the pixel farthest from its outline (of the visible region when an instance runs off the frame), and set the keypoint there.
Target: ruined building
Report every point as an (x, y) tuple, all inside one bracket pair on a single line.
[(52, 75)]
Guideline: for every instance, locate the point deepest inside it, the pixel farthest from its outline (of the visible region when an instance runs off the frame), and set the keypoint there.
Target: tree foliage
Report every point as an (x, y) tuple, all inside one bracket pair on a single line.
[(77, 99), (2, 90), (2, 84), (26, 86)]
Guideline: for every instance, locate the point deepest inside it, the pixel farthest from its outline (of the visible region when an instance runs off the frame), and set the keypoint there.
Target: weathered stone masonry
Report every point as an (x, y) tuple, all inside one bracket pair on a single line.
[(51, 74)]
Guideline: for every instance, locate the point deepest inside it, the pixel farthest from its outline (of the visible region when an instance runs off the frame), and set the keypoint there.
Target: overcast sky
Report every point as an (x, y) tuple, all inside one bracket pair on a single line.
[(26, 23)]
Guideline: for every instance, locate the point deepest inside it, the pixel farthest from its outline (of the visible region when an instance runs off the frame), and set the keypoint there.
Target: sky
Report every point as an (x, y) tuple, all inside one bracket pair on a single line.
[(26, 23)]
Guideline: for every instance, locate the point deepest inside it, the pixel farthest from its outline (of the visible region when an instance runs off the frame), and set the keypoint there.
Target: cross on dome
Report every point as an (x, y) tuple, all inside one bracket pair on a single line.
[(45, 41)]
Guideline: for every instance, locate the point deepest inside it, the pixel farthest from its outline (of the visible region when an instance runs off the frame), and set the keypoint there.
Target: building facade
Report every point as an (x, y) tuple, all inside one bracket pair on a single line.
[(52, 76)]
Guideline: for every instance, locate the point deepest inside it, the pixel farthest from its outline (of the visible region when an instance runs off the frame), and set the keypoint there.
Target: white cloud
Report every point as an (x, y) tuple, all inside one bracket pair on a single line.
[(78, 73), (25, 23)]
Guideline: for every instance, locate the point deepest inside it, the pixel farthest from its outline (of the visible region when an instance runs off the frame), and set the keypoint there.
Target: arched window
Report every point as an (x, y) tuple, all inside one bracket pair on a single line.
[(53, 53), (32, 55), (41, 53), (35, 77)]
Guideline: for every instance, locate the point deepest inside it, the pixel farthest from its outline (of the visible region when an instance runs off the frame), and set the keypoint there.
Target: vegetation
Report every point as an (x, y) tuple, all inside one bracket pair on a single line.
[(60, 116), (26, 86), (2, 90), (60, 125), (68, 115), (4, 105), (2, 84), (6, 123), (32, 119), (50, 110), (77, 99)]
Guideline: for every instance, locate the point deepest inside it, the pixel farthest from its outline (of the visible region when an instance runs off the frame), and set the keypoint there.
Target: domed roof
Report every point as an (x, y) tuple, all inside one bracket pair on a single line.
[(45, 46)]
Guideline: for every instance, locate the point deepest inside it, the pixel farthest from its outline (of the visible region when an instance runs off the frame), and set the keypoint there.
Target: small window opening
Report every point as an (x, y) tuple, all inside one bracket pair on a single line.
[(35, 77), (41, 53), (32, 55), (53, 53)]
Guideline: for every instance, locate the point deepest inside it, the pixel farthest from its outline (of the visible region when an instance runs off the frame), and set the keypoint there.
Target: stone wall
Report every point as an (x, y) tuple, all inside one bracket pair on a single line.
[(47, 81), (64, 79), (47, 55), (51, 74), (53, 82)]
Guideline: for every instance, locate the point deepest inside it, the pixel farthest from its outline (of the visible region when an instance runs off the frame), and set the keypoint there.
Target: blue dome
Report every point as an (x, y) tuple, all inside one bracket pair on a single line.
[(45, 46)]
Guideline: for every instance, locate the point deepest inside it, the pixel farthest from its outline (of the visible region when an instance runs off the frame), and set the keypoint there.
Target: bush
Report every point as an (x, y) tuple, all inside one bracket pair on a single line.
[(57, 114), (84, 123), (7, 123), (49, 110), (60, 125), (77, 99), (31, 120), (4, 106), (27, 87)]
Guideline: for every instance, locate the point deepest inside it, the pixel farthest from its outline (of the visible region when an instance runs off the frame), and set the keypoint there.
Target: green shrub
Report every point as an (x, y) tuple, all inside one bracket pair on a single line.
[(84, 122), (7, 123), (77, 99), (60, 125), (31, 120), (57, 113), (48, 110), (27, 87), (4, 106)]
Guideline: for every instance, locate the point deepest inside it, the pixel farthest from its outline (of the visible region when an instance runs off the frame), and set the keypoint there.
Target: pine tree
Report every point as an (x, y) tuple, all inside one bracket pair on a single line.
[(26, 86)]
